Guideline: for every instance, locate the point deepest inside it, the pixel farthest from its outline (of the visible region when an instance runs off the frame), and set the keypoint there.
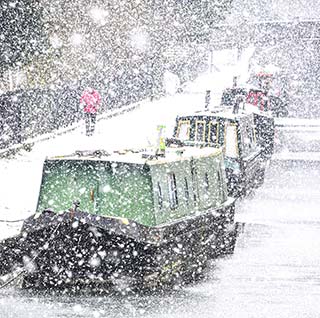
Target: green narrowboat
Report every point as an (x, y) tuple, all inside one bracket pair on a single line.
[(244, 158), (129, 216)]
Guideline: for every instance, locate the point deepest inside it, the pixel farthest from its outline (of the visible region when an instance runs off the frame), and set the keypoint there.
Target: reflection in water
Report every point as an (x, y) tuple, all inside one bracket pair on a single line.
[(274, 271)]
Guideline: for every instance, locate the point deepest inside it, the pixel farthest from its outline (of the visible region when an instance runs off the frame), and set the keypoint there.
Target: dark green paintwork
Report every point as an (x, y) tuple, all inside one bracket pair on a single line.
[(131, 190), (102, 187)]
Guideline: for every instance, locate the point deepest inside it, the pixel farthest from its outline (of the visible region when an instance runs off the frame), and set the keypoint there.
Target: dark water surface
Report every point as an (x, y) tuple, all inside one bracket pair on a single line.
[(274, 271)]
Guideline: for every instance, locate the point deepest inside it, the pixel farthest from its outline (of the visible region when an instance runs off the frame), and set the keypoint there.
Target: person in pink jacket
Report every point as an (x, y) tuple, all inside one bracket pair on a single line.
[(90, 101)]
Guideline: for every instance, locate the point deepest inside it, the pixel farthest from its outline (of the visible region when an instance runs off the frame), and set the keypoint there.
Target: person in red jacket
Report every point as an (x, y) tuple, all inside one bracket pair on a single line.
[(90, 100)]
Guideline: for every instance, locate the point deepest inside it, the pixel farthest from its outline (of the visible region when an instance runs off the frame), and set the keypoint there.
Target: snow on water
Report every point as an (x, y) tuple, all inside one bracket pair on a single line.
[(290, 194), (274, 270)]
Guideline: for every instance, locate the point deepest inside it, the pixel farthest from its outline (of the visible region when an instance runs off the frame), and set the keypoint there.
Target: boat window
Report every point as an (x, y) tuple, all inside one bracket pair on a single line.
[(252, 136), (258, 99), (221, 182), (213, 132), (261, 100), (160, 197), (206, 182), (248, 139), (194, 181), (186, 191), (173, 195), (200, 130), (183, 132), (219, 177), (252, 98), (99, 186), (231, 140)]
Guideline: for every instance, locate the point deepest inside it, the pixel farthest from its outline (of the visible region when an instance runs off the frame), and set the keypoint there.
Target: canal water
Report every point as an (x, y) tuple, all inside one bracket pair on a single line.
[(274, 271)]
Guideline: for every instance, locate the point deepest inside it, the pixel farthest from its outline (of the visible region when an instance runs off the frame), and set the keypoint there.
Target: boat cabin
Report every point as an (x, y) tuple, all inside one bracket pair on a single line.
[(150, 191), (235, 133)]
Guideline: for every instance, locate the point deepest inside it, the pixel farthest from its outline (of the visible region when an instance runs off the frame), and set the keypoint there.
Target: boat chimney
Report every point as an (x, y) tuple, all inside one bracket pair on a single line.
[(161, 145), (235, 82), (237, 101), (207, 99)]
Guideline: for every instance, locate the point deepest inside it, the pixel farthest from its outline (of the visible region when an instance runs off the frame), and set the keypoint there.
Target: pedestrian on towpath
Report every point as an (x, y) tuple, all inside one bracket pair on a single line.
[(90, 101)]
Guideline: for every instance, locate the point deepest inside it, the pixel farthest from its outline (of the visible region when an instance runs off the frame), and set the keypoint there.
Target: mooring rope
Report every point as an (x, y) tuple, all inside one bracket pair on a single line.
[(23, 270), (12, 221)]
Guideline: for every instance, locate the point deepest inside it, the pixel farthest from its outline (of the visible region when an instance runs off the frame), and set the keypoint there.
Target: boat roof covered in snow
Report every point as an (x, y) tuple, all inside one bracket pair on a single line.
[(141, 157)]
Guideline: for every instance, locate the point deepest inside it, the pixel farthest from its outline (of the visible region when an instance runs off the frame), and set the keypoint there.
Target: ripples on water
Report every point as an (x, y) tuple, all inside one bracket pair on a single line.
[(274, 271)]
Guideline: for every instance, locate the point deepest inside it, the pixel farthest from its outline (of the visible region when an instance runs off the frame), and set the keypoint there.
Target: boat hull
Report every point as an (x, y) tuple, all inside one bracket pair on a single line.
[(78, 249)]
